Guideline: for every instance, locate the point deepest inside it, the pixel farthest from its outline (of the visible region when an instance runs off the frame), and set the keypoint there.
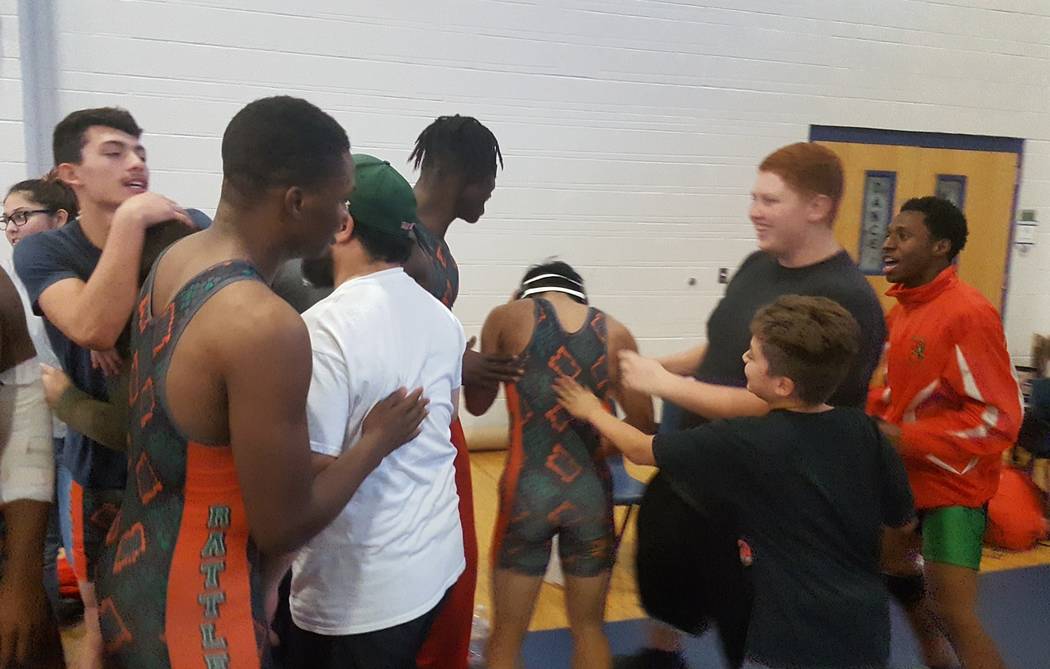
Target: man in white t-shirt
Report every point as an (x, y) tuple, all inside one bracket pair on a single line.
[(366, 589)]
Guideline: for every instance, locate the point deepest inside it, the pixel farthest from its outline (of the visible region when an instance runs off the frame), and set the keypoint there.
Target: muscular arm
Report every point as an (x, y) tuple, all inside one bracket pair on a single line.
[(479, 397)]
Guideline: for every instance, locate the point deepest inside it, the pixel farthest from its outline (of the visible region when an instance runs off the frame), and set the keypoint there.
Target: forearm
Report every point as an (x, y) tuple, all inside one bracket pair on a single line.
[(632, 442), (684, 363), (107, 299), (26, 522), (104, 422), (711, 401), (329, 493)]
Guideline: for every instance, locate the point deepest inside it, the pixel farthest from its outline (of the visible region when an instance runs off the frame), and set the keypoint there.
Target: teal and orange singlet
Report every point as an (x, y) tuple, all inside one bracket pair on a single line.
[(442, 280), (556, 481), (179, 584)]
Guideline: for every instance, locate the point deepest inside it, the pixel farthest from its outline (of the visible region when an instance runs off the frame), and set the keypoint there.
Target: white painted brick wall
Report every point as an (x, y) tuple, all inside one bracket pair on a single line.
[(12, 144), (631, 128)]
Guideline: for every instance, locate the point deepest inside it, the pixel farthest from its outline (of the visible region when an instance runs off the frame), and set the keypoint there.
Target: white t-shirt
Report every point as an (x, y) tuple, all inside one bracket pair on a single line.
[(395, 549), (35, 324)]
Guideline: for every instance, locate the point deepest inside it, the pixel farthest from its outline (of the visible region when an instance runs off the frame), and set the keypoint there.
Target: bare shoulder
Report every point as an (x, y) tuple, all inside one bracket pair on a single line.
[(247, 320), (511, 316), (619, 336)]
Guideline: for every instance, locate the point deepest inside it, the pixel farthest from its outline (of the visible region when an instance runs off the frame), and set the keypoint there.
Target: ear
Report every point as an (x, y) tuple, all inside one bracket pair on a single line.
[(784, 387), (820, 208), (61, 218), (294, 201), (346, 231), (941, 247), (67, 173)]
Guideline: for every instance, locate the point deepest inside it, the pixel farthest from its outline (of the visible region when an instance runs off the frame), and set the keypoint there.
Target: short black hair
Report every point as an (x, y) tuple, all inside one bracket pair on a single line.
[(281, 141), (943, 219), (67, 141), (459, 144), (50, 193), (382, 247), (553, 275)]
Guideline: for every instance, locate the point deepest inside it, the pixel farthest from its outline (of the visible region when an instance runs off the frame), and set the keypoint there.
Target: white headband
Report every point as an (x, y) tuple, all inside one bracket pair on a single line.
[(552, 276), (554, 289)]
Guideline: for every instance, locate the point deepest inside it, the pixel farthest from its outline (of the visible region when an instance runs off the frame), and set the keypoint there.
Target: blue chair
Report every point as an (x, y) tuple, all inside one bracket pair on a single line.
[(626, 491)]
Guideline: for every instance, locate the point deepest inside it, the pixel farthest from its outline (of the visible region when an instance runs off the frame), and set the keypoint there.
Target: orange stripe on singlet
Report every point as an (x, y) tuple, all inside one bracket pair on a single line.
[(511, 473), (211, 487), (76, 512)]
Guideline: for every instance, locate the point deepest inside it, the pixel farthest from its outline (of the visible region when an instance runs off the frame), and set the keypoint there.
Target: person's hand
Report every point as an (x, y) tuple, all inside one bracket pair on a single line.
[(56, 383), (23, 620), (645, 375), (149, 209), (395, 421), (489, 370), (109, 362), (577, 400)]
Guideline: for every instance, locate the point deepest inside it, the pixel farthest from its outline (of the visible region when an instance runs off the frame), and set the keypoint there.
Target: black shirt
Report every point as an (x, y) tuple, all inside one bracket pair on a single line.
[(759, 281), (812, 492)]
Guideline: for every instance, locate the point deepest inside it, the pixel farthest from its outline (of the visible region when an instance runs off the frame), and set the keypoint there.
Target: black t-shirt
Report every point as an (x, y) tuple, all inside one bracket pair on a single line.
[(812, 492), (759, 281)]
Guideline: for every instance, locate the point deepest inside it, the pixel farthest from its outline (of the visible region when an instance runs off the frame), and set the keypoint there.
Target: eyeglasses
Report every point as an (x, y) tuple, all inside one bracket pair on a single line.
[(20, 218)]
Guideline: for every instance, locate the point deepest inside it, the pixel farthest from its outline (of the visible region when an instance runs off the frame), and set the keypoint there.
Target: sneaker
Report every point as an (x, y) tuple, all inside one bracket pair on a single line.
[(651, 658)]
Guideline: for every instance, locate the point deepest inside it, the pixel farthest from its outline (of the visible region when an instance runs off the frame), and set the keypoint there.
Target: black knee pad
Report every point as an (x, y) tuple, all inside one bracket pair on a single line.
[(907, 590)]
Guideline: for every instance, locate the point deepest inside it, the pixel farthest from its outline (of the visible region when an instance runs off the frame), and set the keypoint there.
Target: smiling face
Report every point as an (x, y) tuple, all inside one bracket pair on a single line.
[(911, 256), (781, 215), (112, 168)]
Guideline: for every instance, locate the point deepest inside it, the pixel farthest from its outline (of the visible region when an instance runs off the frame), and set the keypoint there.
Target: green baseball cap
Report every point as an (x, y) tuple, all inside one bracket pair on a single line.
[(382, 200)]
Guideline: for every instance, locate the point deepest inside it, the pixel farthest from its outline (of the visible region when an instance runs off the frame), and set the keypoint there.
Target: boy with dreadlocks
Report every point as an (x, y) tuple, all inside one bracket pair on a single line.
[(457, 158), (556, 482)]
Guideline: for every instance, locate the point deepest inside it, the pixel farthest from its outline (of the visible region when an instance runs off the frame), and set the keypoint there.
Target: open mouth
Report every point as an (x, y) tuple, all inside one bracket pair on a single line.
[(889, 263), (137, 185)]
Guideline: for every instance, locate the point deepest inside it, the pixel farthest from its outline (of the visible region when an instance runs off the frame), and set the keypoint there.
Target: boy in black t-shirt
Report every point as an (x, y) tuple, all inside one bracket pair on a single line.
[(812, 485)]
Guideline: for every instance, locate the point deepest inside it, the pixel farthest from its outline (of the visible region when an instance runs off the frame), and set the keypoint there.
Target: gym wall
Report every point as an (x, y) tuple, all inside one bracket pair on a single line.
[(631, 129)]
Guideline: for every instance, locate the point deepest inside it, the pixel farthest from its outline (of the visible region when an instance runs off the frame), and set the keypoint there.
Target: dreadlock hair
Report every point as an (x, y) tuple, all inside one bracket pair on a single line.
[(460, 144), (553, 276)]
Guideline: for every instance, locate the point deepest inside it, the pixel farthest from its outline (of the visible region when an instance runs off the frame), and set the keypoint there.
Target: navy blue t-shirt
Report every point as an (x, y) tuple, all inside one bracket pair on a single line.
[(42, 260)]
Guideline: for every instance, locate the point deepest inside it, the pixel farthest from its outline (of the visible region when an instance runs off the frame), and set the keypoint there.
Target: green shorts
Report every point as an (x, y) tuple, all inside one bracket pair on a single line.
[(954, 535)]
